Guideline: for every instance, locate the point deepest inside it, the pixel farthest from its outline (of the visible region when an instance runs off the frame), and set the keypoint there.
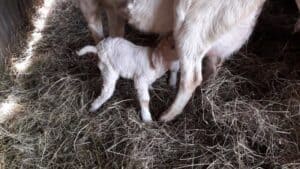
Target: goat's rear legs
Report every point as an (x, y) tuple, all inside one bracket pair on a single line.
[(109, 83), (190, 79), (191, 51)]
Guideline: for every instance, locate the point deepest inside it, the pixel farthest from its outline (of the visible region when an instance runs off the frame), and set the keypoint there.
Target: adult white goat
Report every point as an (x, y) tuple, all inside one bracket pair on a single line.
[(211, 28)]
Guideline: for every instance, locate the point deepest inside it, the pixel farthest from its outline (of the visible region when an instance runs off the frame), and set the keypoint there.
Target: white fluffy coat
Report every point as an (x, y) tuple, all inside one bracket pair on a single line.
[(121, 58), (201, 28)]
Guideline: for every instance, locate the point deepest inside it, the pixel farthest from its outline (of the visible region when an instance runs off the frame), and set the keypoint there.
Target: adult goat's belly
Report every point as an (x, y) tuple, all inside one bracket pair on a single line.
[(151, 15), (233, 40)]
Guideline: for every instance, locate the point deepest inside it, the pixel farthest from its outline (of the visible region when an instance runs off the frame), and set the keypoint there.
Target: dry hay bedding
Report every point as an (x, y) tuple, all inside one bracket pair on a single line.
[(247, 117)]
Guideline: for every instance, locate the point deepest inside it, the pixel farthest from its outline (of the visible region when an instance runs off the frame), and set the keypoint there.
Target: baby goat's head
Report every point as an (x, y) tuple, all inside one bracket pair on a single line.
[(167, 49)]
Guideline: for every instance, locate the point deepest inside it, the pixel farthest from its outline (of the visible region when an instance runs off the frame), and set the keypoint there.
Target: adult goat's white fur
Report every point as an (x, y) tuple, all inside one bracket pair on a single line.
[(201, 28)]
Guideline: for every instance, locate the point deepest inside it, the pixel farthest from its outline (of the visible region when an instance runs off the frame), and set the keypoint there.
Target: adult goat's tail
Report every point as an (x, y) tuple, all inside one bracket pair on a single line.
[(87, 49)]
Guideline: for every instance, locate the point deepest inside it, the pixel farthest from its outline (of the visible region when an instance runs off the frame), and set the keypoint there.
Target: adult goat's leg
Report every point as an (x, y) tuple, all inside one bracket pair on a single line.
[(210, 66), (91, 11), (198, 26), (191, 53), (190, 79), (116, 24)]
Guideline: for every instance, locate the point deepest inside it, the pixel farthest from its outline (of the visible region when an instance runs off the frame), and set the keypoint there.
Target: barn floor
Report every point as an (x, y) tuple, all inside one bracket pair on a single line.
[(247, 117)]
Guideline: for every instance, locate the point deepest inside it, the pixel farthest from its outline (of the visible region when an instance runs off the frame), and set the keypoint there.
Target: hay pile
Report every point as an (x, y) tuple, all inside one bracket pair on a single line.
[(248, 117)]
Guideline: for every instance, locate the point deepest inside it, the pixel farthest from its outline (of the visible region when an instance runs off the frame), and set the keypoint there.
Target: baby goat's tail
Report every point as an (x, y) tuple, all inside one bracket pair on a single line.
[(87, 49)]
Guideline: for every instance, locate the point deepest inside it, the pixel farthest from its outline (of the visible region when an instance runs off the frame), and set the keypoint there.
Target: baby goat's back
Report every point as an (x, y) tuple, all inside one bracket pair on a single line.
[(125, 57)]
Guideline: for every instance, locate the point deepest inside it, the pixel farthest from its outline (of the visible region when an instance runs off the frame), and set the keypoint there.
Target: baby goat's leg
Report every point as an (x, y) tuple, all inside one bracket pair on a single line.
[(173, 79), (143, 95), (173, 74), (109, 82)]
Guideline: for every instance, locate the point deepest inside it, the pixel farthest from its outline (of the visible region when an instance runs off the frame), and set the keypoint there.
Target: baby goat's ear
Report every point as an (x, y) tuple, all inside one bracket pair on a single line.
[(167, 41), (165, 37), (167, 48), (171, 41)]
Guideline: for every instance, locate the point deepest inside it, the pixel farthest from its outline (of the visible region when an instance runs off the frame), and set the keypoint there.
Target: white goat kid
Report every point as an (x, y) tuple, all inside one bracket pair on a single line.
[(119, 57)]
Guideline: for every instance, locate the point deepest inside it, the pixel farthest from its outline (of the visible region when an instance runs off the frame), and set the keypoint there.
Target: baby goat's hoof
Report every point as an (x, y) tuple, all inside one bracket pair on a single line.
[(173, 86), (147, 120), (146, 117), (173, 82)]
